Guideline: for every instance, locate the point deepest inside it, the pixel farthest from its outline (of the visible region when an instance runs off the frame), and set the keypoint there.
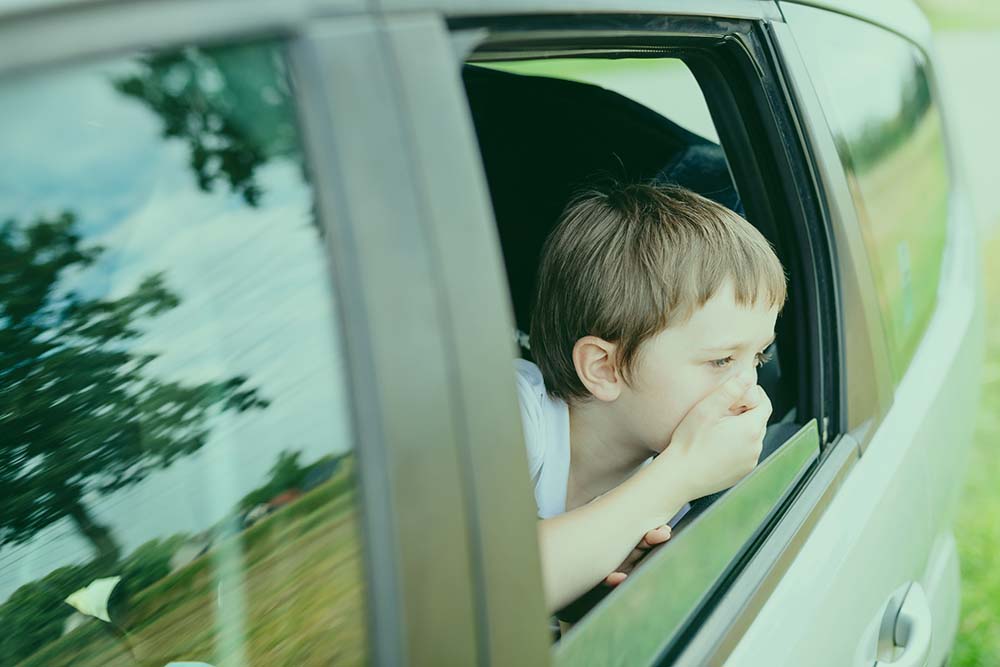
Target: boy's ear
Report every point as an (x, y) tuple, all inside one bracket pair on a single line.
[(595, 360)]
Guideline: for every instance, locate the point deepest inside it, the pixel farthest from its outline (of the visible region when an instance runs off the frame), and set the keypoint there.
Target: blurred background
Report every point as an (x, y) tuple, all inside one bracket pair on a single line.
[(967, 38)]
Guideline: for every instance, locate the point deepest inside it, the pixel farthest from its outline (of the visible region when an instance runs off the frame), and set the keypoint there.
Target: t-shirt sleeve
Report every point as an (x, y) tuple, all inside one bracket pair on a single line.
[(529, 395)]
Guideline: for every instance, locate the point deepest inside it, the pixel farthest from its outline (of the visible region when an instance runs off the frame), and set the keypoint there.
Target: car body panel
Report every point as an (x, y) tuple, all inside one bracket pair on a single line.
[(455, 8), (890, 523), (48, 32), (900, 16), (877, 534)]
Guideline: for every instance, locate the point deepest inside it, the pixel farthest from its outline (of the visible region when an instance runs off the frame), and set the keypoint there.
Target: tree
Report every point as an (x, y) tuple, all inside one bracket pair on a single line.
[(79, 412), (231, 106), (286, 473)]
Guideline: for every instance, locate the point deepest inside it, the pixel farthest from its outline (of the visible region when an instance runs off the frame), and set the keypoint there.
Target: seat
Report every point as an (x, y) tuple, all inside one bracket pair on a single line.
[(541, 138)]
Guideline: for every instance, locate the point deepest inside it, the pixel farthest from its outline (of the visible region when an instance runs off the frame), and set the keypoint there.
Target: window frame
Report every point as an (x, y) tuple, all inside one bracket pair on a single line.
[(697, 41), (725, 614), (422, 575)]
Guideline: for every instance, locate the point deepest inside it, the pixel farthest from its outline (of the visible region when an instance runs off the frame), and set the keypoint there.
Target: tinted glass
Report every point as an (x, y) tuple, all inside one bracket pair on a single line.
[(665, 85), (176, 448), (874, 87)]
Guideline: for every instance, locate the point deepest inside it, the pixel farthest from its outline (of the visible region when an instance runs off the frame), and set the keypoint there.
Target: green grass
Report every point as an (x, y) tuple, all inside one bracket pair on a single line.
[(978, 525), (293, 591), (962, 14)]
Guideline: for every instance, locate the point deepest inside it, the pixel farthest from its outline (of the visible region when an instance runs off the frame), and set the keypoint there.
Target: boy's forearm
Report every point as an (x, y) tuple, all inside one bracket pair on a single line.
[(581, 547)]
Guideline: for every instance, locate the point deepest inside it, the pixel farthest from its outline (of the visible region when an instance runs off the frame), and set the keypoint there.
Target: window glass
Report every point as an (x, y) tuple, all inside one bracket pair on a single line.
[(665, 85), (176, 457), (874, 87)]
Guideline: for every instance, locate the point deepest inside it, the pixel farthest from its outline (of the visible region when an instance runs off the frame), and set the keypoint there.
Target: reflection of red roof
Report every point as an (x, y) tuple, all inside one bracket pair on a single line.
[(284, 498)]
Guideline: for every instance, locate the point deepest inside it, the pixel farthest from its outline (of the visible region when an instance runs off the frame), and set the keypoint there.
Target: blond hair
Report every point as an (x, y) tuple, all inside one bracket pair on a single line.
[(626, 262)]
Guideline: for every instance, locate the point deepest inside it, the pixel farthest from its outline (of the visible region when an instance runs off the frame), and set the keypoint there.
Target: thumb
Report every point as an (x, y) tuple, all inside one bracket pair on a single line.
[(725, 395)]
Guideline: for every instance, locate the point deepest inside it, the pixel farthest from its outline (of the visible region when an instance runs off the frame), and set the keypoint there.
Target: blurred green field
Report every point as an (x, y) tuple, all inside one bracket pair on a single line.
[(978, 526), (252, 601), (962, 14)]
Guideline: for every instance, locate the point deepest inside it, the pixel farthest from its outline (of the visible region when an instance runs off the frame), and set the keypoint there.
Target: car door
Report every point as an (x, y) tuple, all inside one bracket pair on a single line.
[(637, 624)]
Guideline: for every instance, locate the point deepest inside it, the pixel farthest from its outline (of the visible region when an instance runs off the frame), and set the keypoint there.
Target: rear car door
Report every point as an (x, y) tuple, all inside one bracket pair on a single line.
[(724, 583)]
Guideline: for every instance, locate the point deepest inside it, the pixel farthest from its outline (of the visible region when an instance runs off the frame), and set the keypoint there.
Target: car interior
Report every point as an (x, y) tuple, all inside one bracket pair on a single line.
[(540, 139)]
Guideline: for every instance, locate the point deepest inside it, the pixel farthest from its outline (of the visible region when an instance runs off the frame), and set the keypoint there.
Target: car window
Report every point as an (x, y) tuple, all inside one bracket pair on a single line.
[(544, 128), (177, 459), (874, 87), (665, 85)]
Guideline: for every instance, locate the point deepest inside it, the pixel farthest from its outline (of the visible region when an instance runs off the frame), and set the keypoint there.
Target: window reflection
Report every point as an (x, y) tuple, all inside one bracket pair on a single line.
[(175, 444), (876, 93)]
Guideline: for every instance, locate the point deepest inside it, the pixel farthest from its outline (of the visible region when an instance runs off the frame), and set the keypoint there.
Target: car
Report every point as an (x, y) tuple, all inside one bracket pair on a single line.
[(286, 250)]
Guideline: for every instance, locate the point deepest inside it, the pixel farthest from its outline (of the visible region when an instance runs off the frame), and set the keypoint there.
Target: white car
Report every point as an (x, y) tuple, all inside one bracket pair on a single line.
[(273, 254)]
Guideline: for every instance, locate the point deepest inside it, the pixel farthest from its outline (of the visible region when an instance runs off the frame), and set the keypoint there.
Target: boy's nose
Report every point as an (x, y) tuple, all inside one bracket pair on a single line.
[(749, 375)]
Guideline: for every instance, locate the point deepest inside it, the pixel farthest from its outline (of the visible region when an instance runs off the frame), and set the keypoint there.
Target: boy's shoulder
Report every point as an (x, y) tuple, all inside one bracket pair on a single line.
[(529, 372), (545, 422), (544, 417)]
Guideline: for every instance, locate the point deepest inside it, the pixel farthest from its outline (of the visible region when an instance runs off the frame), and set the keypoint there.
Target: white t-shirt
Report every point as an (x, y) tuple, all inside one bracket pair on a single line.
[(546, 436), (545, 421)]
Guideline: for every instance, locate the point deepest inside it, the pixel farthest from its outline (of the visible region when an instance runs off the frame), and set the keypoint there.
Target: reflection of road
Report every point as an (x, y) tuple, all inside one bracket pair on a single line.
[(968, 62)]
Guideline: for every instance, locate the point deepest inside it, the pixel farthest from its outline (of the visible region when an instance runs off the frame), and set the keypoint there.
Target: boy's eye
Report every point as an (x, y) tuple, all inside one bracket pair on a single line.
[(759, 359)]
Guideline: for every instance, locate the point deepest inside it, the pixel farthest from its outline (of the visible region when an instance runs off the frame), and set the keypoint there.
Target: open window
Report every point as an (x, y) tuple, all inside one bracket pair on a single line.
[(683, 101)]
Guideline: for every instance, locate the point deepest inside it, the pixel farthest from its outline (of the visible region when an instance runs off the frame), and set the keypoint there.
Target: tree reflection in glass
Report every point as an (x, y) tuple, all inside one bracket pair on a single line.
[(174, 438)]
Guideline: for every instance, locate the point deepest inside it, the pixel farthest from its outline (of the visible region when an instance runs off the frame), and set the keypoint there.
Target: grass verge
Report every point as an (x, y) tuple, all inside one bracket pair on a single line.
[(978, 524)]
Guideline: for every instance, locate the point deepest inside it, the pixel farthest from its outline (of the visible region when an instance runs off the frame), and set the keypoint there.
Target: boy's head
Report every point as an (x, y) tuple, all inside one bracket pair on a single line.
[(648, 276)]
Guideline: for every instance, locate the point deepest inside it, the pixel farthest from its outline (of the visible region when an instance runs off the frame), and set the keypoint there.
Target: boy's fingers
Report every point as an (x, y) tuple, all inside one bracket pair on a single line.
[(658, 535), (615, 578), (723, 398), (762, 409), (750, 399)]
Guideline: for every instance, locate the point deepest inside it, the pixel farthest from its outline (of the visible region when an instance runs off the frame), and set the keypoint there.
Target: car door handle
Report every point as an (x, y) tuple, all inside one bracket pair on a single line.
[(905, 638)]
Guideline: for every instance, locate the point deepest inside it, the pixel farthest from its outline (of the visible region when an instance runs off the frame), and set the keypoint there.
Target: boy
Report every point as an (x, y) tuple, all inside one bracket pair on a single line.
[(655, 307)]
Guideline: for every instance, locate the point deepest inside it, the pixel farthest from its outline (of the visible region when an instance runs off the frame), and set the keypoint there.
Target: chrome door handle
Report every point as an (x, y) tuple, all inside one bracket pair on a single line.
[(905, 638)]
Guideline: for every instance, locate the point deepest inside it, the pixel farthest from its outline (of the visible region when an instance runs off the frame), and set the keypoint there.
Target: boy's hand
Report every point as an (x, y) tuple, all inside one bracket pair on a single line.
[(651, 539), (720, 439)]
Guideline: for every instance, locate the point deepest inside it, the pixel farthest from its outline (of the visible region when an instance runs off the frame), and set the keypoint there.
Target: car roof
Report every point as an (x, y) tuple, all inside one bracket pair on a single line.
[(901, 16)]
